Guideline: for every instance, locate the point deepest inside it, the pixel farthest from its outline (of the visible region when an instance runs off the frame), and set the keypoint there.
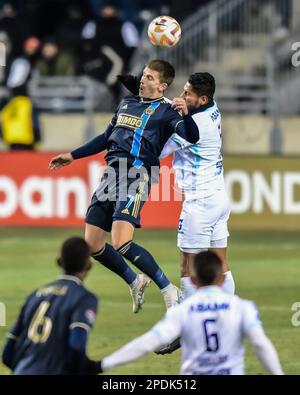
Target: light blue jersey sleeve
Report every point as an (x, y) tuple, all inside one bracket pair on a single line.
[(175, 143)]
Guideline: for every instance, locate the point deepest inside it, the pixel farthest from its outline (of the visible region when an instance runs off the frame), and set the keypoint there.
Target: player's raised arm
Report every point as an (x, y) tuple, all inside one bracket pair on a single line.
[(164, 332)]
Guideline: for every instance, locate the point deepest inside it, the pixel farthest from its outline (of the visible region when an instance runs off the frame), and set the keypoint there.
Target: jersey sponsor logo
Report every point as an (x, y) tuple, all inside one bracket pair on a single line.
[(90, 315), (129, 121)]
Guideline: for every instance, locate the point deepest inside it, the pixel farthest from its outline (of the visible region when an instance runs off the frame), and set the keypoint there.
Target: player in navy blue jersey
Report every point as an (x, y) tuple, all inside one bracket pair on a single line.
[(50, 335), (134, 140)]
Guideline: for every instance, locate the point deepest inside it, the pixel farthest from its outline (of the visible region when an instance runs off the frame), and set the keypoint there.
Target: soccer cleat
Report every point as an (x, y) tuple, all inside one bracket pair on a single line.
[(169, 348), (172, 297), (137, 292)]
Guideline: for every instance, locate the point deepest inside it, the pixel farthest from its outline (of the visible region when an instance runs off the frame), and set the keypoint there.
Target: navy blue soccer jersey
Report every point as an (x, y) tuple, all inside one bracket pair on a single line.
[(43, 326), (140, 128)]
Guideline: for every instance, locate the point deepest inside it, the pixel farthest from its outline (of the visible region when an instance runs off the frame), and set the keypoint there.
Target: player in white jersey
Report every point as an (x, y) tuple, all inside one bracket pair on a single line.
[(211, 325), (199, 174)]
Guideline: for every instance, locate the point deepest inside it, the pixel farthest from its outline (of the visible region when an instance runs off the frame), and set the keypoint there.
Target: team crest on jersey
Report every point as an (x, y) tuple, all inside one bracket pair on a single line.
[(90, 315), (149, 111), (129, 121)]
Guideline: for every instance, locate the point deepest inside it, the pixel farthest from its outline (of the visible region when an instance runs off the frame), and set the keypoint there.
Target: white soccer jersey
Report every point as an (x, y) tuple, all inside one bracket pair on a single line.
[(199, 174), (199, 169), (211, 325)]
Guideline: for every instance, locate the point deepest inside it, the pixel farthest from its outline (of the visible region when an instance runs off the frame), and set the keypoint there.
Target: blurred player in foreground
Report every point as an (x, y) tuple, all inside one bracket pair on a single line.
[(211, 324), (51, 333), (134, 140)]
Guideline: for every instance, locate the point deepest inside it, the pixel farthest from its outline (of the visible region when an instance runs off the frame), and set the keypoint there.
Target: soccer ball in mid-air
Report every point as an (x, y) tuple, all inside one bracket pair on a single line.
[(164, 31)]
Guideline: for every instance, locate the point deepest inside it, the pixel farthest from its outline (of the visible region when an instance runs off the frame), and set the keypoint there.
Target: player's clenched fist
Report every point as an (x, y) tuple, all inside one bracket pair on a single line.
[(179, 104), (60, 160)]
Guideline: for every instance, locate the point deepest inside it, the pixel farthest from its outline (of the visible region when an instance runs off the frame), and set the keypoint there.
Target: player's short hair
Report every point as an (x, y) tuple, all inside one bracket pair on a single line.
[(165, 69), (74, 254), (207, 266), (203, 84)]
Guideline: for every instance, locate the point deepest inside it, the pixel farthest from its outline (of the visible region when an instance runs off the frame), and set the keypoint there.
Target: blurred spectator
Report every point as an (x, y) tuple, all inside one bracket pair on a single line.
[(4, 39), (20, 127), (15, 28), (54, 61), (20, 68), (19, 119), (104, 52), (284, 11), (69, 31), (181, 9)]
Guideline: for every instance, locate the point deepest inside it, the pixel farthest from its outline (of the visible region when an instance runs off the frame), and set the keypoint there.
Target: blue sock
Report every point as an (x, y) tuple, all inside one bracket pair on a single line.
[(144, 261), (112, 260)]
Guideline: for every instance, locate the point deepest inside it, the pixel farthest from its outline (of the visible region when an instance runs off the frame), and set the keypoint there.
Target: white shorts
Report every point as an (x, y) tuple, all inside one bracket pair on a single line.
[(203, 222)]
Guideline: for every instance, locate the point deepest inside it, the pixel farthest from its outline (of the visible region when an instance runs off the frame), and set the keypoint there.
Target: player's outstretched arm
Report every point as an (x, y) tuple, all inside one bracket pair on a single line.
[(164, 332), (265, 350), (60, 161), (132, 351)]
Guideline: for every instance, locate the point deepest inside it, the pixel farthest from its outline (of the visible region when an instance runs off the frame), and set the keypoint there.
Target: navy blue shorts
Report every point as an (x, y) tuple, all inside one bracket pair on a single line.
[(119, 198)]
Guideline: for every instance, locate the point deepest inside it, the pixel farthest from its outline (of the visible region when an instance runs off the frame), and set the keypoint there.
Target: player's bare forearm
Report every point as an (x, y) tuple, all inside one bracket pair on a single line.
[(60, 161)]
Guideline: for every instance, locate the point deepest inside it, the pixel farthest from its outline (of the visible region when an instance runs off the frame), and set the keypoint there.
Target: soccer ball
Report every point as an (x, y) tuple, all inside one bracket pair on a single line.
[(164, 31)]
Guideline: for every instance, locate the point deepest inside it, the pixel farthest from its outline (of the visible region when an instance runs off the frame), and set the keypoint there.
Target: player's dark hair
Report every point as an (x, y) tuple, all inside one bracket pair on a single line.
[(74, 255), (165, 69), (203, 84), (208, 267)]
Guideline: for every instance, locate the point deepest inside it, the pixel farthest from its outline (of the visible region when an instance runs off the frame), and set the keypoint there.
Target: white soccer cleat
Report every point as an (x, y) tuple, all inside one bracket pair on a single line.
[(138, 292), (172, 296)]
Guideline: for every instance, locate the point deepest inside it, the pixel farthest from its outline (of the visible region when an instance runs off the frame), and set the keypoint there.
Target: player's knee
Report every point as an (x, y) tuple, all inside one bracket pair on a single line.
[(95, 243), (118, 243)]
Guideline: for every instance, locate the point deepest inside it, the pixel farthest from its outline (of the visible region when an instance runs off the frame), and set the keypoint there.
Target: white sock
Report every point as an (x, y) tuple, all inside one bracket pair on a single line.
[(228, 285), (167, 288), (134, 283), (187, 287)]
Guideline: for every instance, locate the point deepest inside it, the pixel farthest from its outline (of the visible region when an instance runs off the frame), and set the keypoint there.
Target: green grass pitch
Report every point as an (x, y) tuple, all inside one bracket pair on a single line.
[(265, 266)]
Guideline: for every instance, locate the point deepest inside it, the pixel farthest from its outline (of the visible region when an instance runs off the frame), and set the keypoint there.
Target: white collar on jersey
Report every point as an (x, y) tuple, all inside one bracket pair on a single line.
[(70, 278), (210, 289)]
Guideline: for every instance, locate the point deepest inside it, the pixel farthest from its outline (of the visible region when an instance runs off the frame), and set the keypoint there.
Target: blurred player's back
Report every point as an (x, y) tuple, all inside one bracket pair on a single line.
[(44, 324), (213, 324)]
